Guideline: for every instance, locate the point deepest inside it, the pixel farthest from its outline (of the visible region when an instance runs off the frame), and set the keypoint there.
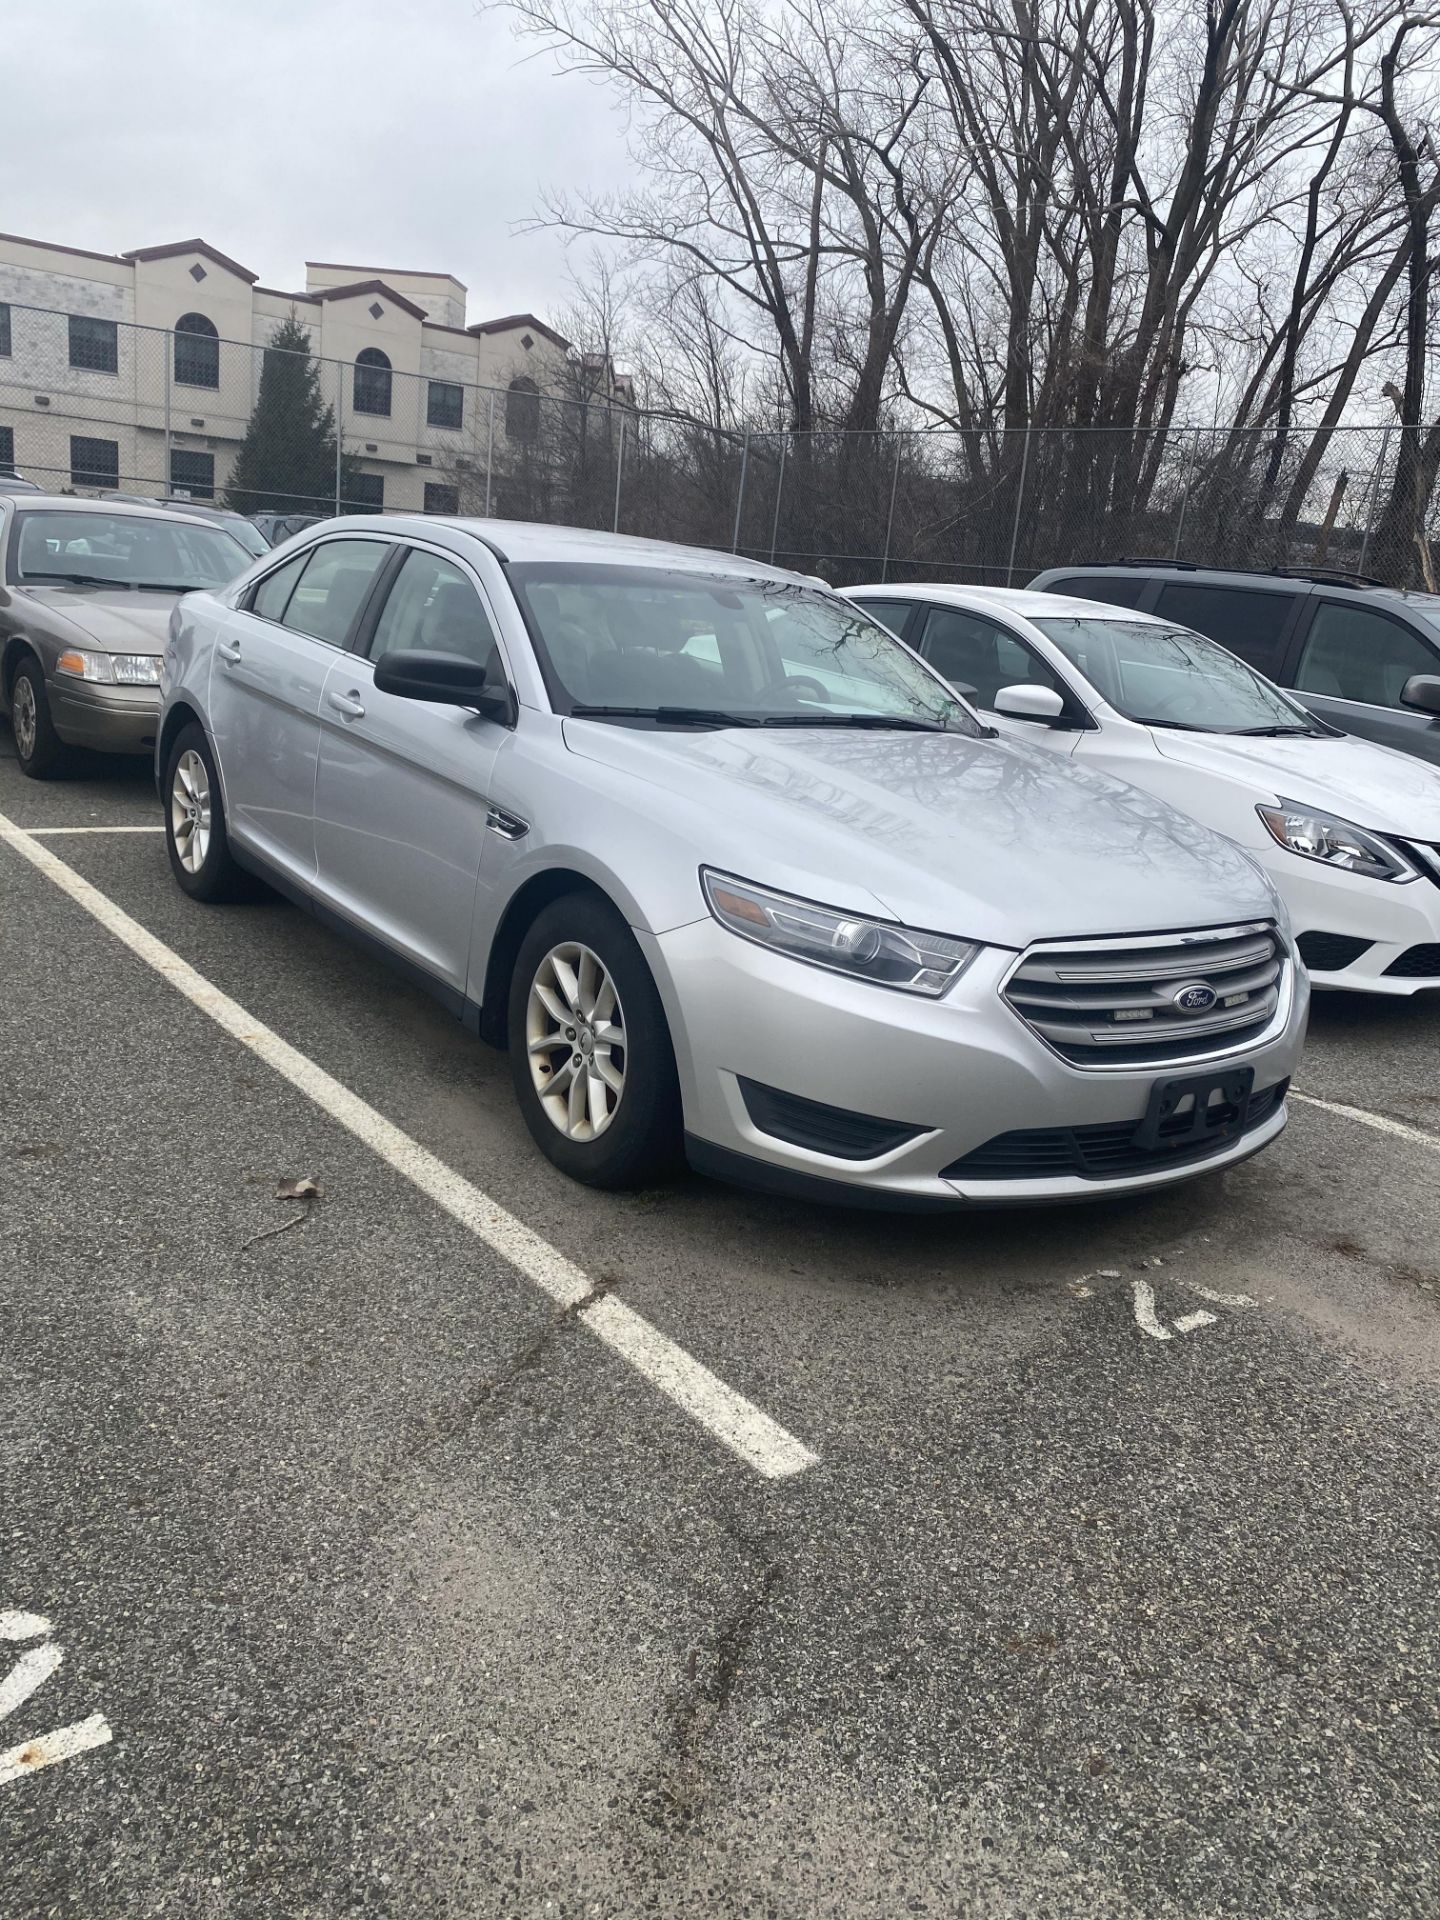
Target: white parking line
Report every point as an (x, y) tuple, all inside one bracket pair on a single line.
[(63, 1744), (732, 1419), (50, 832), (30, 1672), (1381, 1123)]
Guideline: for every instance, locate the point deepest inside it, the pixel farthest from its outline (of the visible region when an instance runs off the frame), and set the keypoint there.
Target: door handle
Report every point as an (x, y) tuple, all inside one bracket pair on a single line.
[(227, 652), (349, 704)]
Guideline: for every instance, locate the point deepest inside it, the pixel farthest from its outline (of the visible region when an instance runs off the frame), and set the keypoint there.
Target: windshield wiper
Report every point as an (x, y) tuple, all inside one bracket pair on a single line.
[(1275, 733), (70, 579), (169, 586), (1177, 726), (908, 721), (666, 716)]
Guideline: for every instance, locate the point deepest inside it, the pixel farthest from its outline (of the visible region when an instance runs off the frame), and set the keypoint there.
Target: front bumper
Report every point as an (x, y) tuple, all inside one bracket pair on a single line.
[(962, 1070), (107, 719), (1392, 917)]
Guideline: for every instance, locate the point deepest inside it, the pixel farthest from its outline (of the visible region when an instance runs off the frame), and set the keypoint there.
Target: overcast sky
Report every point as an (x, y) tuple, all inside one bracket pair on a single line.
[(385, 133)]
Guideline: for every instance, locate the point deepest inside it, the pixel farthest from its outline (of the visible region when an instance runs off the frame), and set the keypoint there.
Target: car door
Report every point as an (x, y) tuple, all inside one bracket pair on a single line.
[(979, 656), (401, 796), (270, 660), (1352, 667)]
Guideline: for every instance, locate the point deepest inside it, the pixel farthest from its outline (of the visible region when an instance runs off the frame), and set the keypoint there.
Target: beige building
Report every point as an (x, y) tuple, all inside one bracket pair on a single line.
[(140, 370)]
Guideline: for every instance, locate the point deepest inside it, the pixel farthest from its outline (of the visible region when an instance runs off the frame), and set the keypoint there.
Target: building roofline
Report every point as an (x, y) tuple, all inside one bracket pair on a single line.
[(408, 273), (509, 321), (356, 288), (172, 247), (279, 293), (55, 246)]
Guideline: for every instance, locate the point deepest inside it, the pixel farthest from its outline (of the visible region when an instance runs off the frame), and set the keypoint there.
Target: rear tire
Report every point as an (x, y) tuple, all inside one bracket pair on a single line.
[(590, 1051), (195, 836), (39, 750)]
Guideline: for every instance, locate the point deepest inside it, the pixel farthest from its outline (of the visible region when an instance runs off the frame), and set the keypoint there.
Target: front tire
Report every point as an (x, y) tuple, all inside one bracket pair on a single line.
[(590, 1052), (39, 750), (195, 836)]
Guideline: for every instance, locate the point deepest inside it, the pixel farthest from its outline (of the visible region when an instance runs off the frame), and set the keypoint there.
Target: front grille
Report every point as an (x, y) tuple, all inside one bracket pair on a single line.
[(832, 1130), (1424, 855), (1102, 1152), (1330, 952), (1417, 963), (1113, 1003)]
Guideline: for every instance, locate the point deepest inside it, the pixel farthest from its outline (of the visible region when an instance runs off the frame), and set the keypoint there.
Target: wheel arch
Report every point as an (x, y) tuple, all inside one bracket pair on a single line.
[(182, 714), (521, 910), (14, 650)]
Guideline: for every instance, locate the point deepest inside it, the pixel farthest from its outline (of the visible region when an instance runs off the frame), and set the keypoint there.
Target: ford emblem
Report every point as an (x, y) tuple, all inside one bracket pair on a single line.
[(1193, 997)]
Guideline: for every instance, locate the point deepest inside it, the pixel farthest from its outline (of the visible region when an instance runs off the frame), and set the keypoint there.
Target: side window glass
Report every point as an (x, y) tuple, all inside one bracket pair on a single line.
[(336, 578), (433, 608), (270, 597), (973, 653), (888, 613), (1119, 590), (1355, 655), (1249, 624)]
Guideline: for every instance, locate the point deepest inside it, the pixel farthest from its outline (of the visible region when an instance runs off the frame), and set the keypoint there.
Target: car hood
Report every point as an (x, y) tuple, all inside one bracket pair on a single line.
[(1369, 785), (991, 840), (114, 620)]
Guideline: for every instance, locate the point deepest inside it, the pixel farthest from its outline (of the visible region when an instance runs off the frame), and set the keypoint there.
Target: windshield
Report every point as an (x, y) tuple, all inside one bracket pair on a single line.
[(681, 649), (126, 550), (1171, 677)]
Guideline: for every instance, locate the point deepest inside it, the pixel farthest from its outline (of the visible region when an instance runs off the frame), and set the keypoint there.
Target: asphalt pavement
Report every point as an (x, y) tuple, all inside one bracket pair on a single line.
[(398, 1592)]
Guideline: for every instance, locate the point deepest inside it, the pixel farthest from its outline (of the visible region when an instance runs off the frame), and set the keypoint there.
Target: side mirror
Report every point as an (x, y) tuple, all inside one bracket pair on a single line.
[(1422, 691), (1027, 702), (447, 679)]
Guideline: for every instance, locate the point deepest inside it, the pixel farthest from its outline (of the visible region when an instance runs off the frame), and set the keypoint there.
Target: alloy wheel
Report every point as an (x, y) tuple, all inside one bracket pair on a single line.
[(575, 1039), (23, 717), (190, 811)]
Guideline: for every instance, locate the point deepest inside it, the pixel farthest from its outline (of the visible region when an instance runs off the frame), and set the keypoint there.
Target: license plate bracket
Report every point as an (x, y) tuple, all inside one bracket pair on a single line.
[(1186, 1112)]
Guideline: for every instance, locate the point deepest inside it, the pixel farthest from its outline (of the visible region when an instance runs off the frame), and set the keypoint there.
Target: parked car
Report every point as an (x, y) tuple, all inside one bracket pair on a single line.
[(88, 588), (245, 531), (1349, 831), (726, 867), (1364, 656), (17, 483), (281, 526)]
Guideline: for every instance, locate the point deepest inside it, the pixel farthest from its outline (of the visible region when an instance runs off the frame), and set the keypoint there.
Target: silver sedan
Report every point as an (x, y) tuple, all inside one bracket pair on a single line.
[(727, 868)]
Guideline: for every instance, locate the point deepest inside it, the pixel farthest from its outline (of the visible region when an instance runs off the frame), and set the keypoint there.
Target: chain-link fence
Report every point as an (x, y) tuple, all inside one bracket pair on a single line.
[(91, 405)]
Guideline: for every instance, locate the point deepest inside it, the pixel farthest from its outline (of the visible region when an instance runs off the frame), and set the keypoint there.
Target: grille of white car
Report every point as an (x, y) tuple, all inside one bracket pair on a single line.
[(1160, 998), (1424, 855)]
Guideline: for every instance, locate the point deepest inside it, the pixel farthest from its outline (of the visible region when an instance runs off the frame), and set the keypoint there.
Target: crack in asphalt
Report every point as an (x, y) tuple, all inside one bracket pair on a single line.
[(674, 1801)]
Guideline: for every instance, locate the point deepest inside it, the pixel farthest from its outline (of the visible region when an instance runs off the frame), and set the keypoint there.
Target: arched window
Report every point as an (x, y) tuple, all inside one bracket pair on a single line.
[(522, 410), (197, 352), (372, 381)]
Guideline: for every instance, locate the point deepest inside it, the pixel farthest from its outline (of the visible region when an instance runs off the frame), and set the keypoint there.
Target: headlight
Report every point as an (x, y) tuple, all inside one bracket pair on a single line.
[(887, 956), (124, 669), (85, 666), (1321, 836), (137, 669)]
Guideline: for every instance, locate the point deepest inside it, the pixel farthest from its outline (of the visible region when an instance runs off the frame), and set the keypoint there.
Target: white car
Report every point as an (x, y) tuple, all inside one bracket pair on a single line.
[(1349, 831)]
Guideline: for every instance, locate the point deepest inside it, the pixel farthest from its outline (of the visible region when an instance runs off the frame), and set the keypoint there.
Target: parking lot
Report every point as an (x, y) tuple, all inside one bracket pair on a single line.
[(462, 1541)]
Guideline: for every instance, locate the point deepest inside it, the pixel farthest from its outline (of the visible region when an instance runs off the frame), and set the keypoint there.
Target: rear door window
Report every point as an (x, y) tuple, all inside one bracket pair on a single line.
[(1248, 623), (333, 587), (1352, 653), (888, 613), (271, 597)]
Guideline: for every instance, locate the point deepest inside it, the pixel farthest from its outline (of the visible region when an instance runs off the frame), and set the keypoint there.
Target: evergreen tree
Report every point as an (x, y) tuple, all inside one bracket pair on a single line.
[(286, 462)]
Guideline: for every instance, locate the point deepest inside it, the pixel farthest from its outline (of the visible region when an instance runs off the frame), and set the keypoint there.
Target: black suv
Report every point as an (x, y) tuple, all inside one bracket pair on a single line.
[(1351, 648)]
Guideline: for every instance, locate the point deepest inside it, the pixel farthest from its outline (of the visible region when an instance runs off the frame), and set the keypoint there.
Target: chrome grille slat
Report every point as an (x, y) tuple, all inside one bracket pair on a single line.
[(1425, 856), (1112, 1002)]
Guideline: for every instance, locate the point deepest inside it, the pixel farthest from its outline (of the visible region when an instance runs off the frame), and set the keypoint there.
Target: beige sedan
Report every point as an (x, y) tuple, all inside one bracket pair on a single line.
[(86, 589)]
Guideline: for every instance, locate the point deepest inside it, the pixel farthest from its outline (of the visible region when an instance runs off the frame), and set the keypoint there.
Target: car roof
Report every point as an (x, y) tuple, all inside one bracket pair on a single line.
[(524, 540), (73, 503), (1240, 578), (1029, 605)]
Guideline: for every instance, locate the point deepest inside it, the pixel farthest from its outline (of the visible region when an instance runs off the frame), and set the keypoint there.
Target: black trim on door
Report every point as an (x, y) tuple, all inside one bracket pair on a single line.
[(367, 614)]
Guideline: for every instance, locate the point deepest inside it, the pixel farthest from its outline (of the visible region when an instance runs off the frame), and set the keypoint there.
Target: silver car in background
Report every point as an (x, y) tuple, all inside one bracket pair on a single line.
[(727, 868), (86, 589)]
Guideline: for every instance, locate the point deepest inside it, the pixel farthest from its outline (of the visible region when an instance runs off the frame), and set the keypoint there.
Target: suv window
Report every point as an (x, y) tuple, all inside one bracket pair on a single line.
[(888, 613), (974, 653), (1114, 590), (336, 578), (1354, 654), (1246, 622), (433, 608)]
